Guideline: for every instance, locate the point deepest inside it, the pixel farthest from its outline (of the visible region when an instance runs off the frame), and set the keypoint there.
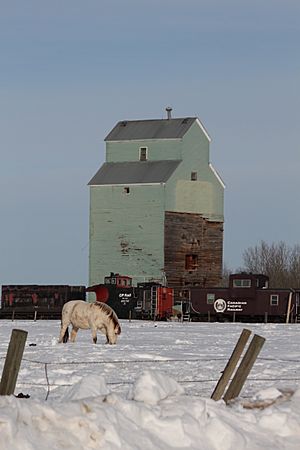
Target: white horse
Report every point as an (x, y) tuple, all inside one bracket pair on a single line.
[(94, 316)]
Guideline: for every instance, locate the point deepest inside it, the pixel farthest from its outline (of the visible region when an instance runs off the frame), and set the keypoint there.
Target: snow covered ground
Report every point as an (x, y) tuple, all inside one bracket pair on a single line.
[(150, 391)]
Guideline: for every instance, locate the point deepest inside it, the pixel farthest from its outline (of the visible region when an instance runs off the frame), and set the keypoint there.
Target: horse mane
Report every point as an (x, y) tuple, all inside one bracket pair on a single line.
[(111, 315)]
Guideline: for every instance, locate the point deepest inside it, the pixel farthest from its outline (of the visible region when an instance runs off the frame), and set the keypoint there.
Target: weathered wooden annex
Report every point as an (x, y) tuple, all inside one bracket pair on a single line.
[(156, 205)]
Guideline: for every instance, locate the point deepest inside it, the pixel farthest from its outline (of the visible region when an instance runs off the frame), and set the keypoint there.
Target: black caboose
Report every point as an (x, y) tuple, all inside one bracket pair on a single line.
[(149, 300)]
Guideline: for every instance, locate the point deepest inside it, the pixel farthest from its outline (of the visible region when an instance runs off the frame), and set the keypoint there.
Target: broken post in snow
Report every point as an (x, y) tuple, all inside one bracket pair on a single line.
[(242, 371), (13, 362), (244, 368), (231, 365)]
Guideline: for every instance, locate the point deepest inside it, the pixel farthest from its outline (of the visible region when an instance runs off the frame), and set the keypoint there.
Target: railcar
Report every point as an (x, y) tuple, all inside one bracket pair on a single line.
[(37, 301), (149, 300), (248, 298)]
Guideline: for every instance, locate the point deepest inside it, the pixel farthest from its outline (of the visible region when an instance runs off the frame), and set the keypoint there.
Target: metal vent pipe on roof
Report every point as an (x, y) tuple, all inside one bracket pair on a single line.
[(169, 110)]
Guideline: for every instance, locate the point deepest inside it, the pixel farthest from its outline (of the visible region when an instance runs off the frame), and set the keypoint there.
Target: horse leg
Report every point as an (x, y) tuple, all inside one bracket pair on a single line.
[(74, 333), (64, 333), (103, 330), (94, 334), (111, 335)]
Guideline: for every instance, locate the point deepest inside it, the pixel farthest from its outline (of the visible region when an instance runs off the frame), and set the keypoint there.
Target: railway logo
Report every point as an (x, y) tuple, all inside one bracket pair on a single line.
[(220, 305), (125, 297)]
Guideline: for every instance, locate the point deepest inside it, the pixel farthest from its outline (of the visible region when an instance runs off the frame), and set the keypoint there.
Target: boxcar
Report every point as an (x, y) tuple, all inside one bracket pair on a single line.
[(38, 301)]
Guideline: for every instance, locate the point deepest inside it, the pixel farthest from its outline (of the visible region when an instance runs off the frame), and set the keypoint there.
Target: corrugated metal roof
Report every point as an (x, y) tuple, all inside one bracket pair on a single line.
[(128, 130), (134, 172)]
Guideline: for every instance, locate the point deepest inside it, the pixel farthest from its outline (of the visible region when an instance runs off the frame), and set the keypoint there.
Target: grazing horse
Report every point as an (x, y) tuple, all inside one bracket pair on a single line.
[(94, 316)]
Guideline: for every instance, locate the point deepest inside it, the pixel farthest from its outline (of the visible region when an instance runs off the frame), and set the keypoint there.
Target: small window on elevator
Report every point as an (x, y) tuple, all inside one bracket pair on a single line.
[(191, 262), (126, 190), (143, 153), (194, 176)]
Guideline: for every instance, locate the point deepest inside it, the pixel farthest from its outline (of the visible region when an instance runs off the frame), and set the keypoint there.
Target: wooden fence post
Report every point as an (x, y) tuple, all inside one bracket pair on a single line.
[(289, 307), (13, 362), (244, 368), (231, 365)]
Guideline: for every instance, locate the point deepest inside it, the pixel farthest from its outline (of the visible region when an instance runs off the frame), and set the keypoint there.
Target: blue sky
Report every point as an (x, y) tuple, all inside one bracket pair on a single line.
[(70, 69)]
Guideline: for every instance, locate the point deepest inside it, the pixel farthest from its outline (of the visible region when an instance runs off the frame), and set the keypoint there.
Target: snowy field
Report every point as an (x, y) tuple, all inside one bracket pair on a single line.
[(150, 391)]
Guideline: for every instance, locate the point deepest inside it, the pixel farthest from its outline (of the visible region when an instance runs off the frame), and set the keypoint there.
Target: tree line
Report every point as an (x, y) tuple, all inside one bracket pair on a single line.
[(279, 261)]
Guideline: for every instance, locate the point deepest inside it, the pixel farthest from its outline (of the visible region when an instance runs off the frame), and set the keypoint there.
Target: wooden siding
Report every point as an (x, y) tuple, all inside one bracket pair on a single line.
[(126, 232), (191, 234), (157, 150)]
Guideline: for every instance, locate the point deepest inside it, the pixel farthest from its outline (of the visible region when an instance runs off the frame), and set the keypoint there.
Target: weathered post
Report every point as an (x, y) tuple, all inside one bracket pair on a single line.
[(289, 307), (231, 365), (13, 362), (244, 368)]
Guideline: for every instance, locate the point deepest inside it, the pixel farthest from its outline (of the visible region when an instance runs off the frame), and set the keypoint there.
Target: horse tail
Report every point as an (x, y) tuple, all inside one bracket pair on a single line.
[(66, 336)]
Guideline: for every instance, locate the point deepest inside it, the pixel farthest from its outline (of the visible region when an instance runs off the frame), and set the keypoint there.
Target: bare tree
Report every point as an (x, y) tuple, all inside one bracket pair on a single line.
[(295, 266), (225, 276), (280, 262)]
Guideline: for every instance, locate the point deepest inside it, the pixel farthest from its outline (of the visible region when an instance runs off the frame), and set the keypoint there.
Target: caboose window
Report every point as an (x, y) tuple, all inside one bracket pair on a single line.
[(210, 298), (191, 262), (274, 300), (242, 283)]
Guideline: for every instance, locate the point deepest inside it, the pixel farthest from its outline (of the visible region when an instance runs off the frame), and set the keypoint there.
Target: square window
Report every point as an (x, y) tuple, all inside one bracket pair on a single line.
[(210, 298), (126, 190), (274, 300), (191, 262)]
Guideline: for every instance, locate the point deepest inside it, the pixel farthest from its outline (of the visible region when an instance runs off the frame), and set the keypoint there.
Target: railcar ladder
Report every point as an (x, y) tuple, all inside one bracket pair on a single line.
[(153, 302), (186, 307), (186, 317)]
